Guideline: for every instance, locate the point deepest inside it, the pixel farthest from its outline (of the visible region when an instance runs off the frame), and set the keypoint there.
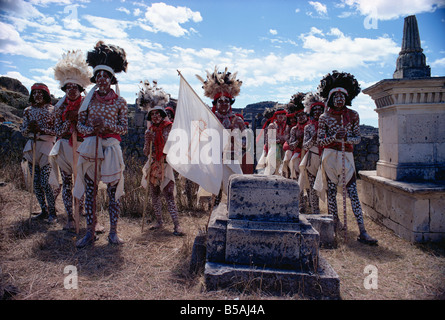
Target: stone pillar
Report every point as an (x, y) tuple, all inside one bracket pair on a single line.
[(411, 62), (411, 128), (406, 191)]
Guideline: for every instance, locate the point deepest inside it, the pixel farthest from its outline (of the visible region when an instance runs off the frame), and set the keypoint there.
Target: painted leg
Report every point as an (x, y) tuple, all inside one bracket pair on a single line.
[(49, 192), (314, 200), (90, 215), (114, 211), (171, 207), (157, 206), (67, 198), (40, 194), (364, 237)]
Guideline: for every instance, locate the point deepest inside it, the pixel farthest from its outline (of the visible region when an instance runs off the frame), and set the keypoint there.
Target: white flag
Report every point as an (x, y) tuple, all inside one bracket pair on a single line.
[(194, 146)]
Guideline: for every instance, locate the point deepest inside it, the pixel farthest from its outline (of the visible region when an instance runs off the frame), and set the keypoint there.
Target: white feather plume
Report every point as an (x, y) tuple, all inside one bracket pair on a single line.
[(73, 68)]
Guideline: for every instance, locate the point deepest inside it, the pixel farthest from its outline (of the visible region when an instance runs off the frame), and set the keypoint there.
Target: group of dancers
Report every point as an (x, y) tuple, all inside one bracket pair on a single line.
[(78, 140)]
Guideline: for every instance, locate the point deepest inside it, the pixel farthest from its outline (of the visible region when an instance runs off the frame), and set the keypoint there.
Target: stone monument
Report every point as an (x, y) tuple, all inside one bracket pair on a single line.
[(258, 240), (406, 193)]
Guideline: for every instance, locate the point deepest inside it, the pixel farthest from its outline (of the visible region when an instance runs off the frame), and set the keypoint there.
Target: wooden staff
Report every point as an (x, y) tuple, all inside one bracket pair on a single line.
[(148, 187), (95, 175), (76, 201), (32, 175), (343, 162)]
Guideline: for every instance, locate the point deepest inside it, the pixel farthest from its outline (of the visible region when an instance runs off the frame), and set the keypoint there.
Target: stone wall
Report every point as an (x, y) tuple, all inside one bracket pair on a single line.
[(133, 141), (366, 153)]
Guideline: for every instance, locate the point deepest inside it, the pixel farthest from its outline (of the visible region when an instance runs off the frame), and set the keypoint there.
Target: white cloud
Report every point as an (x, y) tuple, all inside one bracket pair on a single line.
[(165, 18), (108, 27), (440, 63), (273, 31), (319, 7), (387, 10), (11, 42), (124, 10), (20, 8)]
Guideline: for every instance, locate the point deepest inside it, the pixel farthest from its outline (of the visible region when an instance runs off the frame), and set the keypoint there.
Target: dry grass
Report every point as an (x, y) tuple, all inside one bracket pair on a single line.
[(155, 264)]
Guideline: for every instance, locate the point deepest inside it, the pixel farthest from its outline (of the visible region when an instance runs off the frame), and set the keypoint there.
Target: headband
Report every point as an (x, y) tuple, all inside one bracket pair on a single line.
[(103, 67), (321, 104), (225, 94), (40, 87), (338, 89)]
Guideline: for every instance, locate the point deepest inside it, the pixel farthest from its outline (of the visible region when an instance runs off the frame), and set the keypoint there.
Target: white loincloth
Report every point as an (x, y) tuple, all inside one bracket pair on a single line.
[(331, 167), (62, 155), (311, 164), (44, 145), (110, 164)]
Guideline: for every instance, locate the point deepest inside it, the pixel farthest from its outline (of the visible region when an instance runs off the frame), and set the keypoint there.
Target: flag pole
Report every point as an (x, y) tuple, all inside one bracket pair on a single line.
[(344, 183), (180, 74), (76, 201), (148, 187), (34, 144)]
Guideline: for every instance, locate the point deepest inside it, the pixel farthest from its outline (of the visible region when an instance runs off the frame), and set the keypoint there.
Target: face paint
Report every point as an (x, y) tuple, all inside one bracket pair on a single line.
[(72, 91), (38, 97), (223, 104), (156, 117), (316, 112), (103, 81), (301, 117), (339, 100), (281, 118)]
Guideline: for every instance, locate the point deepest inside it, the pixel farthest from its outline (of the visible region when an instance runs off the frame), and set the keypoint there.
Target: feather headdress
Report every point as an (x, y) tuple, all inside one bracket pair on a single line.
[(296, 103), (72, 68), (107, 57), (310, 100), (339, 81), (110, 58), (151, 96), (220, 84)]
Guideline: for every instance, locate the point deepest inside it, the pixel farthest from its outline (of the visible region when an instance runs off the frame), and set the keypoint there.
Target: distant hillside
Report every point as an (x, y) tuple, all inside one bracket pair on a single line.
[(13, 85)]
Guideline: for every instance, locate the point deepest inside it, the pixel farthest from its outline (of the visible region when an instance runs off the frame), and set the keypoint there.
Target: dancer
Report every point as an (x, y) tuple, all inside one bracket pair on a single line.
[(277, 128), (222, 88), (157, 174), (74, 75), (102, 120), (310, 163), (295, 139), (296, 145), (338, 131), (38, 125)]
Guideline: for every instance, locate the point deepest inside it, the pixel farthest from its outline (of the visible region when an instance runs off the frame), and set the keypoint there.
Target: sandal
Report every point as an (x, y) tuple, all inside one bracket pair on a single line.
[(365, 238)]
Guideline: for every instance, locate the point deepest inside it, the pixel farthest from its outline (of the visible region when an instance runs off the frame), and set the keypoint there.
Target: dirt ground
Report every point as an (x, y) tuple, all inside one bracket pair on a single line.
[(37, 261)]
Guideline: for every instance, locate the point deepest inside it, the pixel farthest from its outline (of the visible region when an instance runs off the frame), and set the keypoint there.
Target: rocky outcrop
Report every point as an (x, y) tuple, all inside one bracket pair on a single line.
[(13, 85)]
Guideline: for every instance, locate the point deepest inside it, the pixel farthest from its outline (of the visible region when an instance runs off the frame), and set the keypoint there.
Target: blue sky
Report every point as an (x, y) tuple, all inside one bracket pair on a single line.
[(278, 47)]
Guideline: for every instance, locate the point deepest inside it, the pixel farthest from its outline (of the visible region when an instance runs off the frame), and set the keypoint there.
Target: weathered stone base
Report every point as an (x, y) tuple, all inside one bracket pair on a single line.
[(324, 224), (414, 211), (324, 284)]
